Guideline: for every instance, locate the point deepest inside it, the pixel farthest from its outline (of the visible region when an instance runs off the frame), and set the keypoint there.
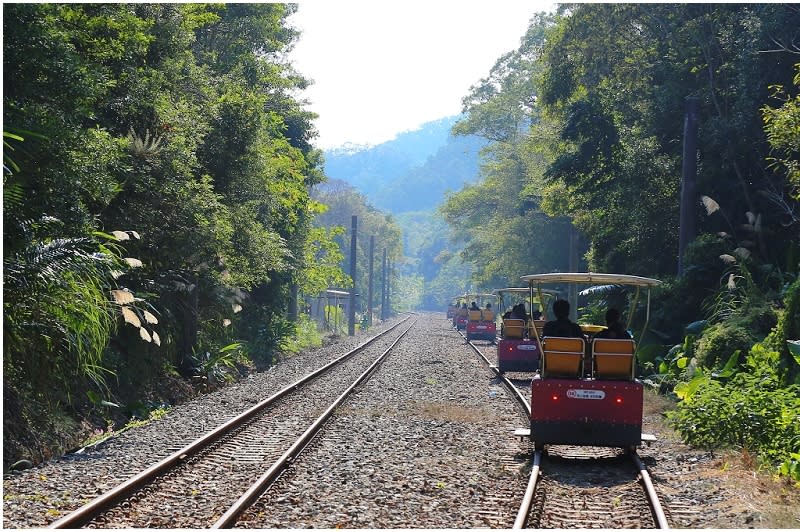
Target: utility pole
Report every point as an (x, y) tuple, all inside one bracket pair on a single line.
[(383, 287), (293, 292), (351, 322), (389, 287), (688, 178), (369, 291)]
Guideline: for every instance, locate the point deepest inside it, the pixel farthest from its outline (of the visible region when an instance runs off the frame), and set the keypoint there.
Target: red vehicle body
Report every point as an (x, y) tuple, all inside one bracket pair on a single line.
[(518, 354), (481, 330), (586, 412), (586, 393)]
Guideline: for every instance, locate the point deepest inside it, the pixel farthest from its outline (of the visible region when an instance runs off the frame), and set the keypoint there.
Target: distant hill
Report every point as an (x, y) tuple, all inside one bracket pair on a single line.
[(411, 172)]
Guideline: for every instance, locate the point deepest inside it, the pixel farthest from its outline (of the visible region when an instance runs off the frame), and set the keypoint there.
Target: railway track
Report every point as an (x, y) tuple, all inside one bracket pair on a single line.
[(209, 482), (581, 487)]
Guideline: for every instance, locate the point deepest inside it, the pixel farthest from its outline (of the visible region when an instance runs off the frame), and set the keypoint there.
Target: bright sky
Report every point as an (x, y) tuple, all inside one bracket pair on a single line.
[(380, 68)]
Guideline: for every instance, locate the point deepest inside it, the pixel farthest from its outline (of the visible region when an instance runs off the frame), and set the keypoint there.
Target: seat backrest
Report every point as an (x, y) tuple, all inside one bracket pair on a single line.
[(488, 315), (562, 357), (474, 315), (539, 325), (613, 358), (513, 328)]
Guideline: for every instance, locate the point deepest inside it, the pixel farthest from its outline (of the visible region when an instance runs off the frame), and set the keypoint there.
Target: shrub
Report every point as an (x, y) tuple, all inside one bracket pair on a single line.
[(306, 336), (719, 341), (750, 411), (788, 328)]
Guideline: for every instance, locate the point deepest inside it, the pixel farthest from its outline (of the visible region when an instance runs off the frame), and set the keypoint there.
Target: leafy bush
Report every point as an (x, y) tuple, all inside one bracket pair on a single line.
[(750, 411), (721, 340), (788, 329), (306, 335)]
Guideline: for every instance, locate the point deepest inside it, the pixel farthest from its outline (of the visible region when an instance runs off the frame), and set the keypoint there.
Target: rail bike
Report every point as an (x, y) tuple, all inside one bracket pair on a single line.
[(460, 312), (453, 306), (586, 391), (519, 348), (480, 323)]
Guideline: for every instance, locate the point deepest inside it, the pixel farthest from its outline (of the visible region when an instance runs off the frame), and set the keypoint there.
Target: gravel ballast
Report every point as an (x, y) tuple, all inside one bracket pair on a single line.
[(425, 443)]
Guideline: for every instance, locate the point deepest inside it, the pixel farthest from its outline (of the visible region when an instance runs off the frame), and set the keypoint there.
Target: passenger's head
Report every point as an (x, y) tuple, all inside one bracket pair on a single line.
[(488, 305), (561, 309), (612, 316)]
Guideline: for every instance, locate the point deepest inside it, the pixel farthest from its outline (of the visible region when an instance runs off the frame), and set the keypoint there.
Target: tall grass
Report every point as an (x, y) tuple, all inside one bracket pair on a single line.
[(57, 317)]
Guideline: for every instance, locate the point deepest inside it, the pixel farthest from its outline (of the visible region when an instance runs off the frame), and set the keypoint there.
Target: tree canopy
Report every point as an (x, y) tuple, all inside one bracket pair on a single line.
[(176, 123)]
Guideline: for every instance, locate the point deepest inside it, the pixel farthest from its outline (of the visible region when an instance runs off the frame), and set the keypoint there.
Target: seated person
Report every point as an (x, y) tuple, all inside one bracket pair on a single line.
[(536, 314), (474, 306), (562, 326), (615, 329), (518, 312)]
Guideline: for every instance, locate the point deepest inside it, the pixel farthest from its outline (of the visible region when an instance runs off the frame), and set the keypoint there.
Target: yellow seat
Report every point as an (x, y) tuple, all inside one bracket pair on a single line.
[(488, 315), (539, 325), (613, 358), (474, 315), (513, 328), (562, 357)]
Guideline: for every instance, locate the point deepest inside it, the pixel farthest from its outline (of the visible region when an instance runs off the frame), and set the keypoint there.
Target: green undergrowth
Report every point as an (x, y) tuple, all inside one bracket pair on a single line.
[(306, 335), (749, 408)]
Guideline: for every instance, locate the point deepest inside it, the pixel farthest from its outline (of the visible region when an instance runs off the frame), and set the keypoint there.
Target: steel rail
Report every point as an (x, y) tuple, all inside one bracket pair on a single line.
[(527, 499), (228, 519), (93, 508), (652, 496), (517, 394)]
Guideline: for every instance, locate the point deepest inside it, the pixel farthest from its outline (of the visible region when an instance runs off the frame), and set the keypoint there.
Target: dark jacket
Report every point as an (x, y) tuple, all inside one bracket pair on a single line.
[(614, 331), (564, 328)]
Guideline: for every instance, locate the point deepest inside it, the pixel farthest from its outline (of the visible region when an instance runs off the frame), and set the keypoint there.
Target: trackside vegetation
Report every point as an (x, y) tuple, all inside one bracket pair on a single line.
[(585, 129), (157, 217)]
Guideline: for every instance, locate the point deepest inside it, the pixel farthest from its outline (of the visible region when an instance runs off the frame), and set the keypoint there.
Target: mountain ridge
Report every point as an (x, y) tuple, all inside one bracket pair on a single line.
[(411, 172)]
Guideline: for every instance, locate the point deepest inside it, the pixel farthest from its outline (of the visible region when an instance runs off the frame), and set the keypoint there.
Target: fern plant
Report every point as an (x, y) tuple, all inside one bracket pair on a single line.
[(57, 319), (61, 303)]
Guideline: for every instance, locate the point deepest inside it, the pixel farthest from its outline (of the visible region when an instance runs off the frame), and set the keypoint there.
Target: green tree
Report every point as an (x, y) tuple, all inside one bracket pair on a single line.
[(617, 74), (782, 126), (178, 122), (505, 232)]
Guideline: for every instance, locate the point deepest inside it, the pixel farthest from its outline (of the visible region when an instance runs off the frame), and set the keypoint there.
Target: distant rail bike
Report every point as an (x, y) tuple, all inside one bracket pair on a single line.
[(452, 307), (522, 318), (480, 317), (585, 392), (459, 312)]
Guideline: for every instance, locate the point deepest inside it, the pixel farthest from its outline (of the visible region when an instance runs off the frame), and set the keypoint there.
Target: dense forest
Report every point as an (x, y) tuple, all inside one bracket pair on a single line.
[(158, 218), (164, 206)]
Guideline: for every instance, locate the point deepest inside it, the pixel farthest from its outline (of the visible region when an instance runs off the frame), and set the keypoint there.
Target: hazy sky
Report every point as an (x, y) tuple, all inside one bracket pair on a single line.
[(383, 67)]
